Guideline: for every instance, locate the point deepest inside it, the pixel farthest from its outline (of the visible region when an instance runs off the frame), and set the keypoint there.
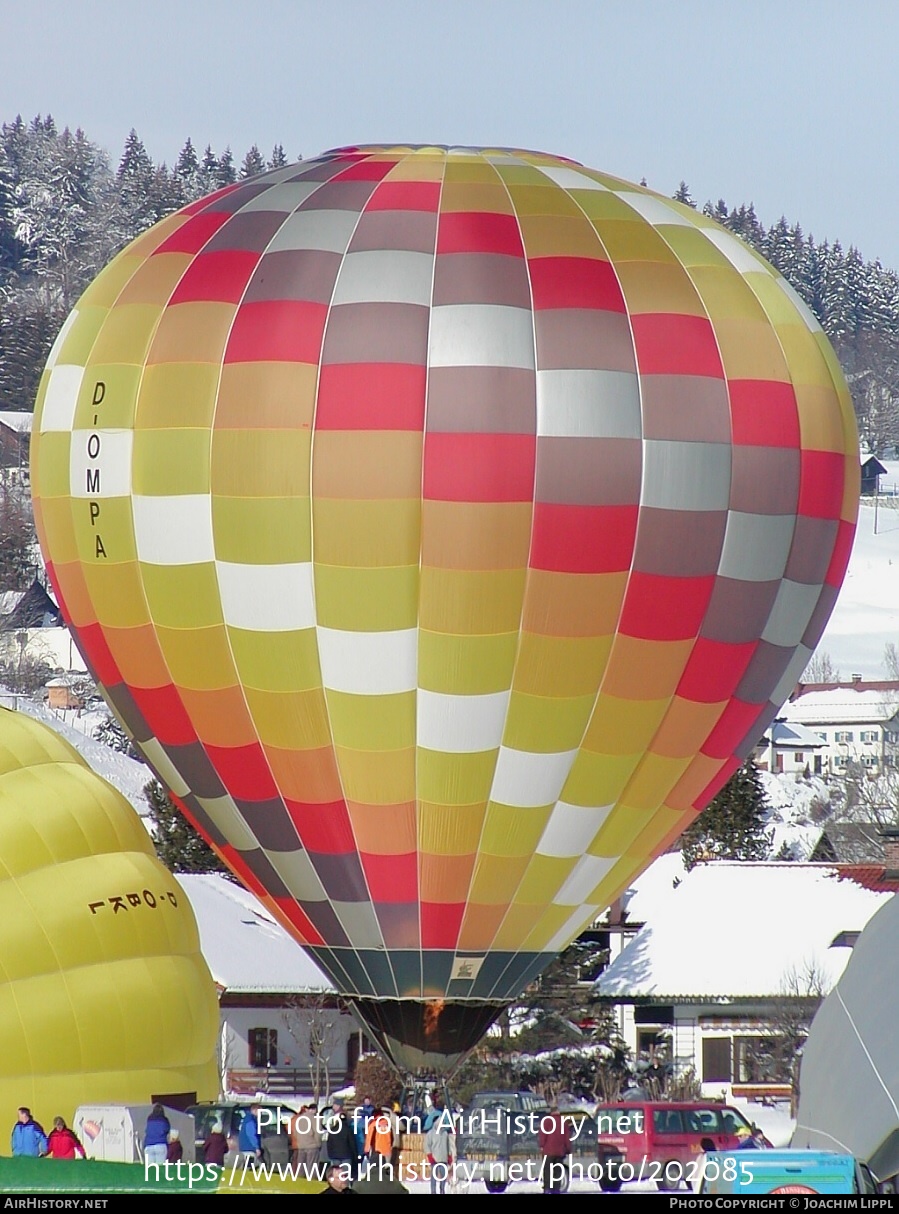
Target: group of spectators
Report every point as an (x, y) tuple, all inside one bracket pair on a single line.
[(28, 1138), (367, 1140), (162, 1142)]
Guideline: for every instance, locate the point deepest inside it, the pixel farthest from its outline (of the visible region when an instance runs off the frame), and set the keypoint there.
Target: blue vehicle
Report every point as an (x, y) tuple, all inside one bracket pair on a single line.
[(748, 1172)]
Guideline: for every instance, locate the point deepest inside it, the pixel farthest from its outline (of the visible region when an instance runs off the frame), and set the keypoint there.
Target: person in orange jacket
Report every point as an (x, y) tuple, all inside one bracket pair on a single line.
[(379, 1140)]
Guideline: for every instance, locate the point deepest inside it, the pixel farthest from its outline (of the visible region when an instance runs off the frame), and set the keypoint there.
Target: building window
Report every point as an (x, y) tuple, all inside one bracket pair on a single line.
[(869, 760), (868, 735), (844, 735), (760, 1060), (800, 757), (263, 1047), (716, 1060)]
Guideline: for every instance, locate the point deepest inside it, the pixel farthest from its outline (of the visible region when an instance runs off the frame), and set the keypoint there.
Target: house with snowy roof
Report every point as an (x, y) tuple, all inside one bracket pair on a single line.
[(731, 955), (857, 722), (15, 440), (872, 471), (790, 748), (280, 1016)]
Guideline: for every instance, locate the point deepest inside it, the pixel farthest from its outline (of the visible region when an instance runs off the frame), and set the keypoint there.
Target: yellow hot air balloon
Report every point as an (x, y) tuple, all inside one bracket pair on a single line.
[(104, 994), (445, 525)]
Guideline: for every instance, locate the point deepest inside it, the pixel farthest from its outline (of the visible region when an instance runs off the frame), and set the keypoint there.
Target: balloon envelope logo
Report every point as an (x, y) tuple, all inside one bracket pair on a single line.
[(445, 525)]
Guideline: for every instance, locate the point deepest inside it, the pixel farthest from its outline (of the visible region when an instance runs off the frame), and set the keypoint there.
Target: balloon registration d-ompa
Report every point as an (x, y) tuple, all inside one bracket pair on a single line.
[(445, 525)]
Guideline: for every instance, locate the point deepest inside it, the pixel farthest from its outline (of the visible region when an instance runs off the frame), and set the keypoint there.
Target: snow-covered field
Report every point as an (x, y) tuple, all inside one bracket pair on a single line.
[(127, 775), (866, 617)]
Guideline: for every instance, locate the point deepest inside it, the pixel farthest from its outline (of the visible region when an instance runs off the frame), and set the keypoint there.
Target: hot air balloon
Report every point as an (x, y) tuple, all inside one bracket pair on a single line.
[(445, 525), (104, 994)]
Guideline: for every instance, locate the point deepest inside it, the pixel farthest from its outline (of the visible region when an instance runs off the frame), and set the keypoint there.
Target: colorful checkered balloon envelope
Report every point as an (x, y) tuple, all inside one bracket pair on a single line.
[(445, 525)]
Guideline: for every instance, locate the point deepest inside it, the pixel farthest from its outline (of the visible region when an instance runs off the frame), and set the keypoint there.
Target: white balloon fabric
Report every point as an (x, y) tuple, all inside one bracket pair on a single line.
[(849, 1079)]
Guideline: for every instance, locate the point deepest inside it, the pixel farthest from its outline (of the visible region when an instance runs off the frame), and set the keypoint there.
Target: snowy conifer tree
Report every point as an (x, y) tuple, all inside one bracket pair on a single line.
[(178, 845), (253, 163), (734, 827)]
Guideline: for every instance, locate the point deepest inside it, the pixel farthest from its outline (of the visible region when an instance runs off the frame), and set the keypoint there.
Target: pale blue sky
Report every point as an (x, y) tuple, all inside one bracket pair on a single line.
[(791, 104)]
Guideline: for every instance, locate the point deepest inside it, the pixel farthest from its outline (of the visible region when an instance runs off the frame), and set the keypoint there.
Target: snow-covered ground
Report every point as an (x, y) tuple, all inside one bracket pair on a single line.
[(793, 806), (127, 775), (866, 616)]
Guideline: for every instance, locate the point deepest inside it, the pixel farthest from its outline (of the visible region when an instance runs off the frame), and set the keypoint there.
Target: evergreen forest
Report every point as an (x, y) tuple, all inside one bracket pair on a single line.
[(65, 211)]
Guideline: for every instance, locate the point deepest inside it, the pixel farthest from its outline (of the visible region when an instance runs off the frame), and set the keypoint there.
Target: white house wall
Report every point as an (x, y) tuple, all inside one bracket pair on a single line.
[(855, 726), (291, 1052)]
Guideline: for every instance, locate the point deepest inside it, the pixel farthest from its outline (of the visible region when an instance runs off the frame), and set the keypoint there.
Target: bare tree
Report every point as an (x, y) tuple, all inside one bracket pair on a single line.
[(802, 991), (18, 542), (820, 669), (891, 660), (314, 1023), (774, 1057), (861, 797), (227, 1054), (24, 663)]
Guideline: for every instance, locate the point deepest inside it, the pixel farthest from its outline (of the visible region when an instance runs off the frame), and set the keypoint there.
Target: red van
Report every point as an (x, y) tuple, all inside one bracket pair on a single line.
[(648, 1140)]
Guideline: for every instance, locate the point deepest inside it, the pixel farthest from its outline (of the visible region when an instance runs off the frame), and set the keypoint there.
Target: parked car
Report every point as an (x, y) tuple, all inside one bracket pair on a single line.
[(793, 1171), (661, 1141), (273, 1131), (498, 1137)]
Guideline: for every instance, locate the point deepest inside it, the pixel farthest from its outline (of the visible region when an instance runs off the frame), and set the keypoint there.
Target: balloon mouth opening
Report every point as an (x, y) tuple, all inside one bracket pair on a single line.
[(432, 1037)]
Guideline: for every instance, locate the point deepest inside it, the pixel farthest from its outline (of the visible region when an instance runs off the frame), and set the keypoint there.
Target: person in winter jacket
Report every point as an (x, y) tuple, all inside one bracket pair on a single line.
[(248, 1141), (555, 1147), (215, 1148), (340, 1140), (306, 1140), (338, 1181), (175, 1150), (156, 1136), (379, 1140), (63, 1143), (440, 1148), (28, 1137)]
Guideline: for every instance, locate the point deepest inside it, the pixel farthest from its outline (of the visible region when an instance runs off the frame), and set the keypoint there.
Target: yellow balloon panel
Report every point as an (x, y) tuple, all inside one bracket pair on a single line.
[(104, 994)]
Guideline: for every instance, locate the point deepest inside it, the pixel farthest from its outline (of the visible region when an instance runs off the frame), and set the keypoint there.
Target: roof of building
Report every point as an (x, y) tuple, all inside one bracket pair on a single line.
[(843, 705), (884, 686), (245, 948), (746, 930), (21, 422), (653, 886), (857, 843), (793, 735), (33, 609)]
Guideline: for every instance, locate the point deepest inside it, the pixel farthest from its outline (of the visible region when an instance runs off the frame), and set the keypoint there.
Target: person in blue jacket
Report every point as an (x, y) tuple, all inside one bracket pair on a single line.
[(248, 1141), (156, 1136), (28, 1137)]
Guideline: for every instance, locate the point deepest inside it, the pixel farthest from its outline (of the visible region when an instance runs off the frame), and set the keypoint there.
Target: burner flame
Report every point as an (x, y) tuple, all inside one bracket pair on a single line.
[(432, 1017)]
